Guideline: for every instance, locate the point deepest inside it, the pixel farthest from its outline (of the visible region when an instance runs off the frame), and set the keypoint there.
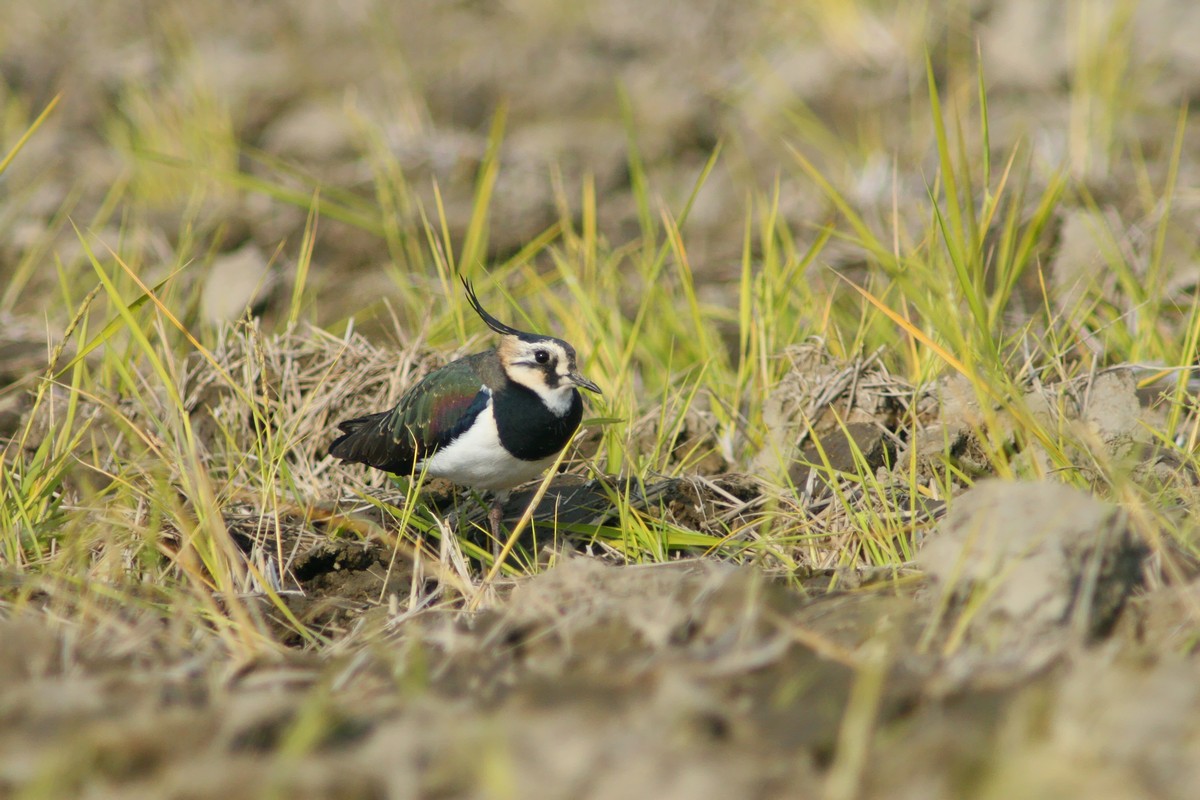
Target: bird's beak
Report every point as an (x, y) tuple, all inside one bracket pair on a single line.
[(583, 383)]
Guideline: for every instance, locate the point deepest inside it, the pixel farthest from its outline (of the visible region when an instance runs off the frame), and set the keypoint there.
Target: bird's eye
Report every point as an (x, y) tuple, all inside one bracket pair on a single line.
[(541, 356)]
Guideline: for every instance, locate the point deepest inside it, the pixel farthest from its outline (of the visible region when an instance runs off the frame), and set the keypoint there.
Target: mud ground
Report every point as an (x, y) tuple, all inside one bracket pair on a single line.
[(690, 679)]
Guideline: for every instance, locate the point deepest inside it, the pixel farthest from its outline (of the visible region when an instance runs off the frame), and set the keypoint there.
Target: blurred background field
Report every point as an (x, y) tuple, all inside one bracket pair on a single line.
[(834, 264)]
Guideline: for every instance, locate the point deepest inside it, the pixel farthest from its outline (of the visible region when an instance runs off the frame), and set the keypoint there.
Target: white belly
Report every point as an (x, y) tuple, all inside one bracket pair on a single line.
[(476, 459)]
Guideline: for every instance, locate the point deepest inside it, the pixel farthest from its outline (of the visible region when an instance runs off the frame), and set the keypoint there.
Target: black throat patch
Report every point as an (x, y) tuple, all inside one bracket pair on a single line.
[(528, 429)]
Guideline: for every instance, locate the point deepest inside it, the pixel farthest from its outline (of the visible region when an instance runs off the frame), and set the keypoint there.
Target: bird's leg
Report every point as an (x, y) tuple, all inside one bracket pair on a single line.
[(495, 515)]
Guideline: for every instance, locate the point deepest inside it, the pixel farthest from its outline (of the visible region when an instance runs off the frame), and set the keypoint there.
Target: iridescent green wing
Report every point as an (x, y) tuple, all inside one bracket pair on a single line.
[(443, 405)]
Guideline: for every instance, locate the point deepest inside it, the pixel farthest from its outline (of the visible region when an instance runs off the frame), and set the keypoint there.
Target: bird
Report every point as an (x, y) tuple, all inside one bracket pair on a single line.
[(489, 421)]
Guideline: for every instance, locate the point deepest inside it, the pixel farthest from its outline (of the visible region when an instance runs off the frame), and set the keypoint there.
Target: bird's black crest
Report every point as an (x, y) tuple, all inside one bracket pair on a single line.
[(492, 322)]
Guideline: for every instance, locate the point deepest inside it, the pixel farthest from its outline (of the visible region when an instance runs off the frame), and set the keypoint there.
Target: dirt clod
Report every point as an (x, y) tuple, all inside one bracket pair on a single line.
[(1022, 561)]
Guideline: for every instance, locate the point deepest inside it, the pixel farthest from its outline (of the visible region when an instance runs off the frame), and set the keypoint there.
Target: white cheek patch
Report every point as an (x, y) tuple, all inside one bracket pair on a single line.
[(557, 400)]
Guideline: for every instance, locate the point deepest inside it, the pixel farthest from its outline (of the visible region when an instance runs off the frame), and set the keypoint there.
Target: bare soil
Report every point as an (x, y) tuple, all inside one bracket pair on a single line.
[(681, 680), (1031, 647)]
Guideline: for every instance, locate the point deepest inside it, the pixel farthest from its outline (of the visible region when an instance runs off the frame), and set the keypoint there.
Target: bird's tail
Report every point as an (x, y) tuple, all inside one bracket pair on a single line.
[(363, 441)]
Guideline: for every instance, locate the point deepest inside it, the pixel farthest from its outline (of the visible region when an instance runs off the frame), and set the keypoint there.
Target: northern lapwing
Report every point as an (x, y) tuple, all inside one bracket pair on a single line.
[(489, 421)]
